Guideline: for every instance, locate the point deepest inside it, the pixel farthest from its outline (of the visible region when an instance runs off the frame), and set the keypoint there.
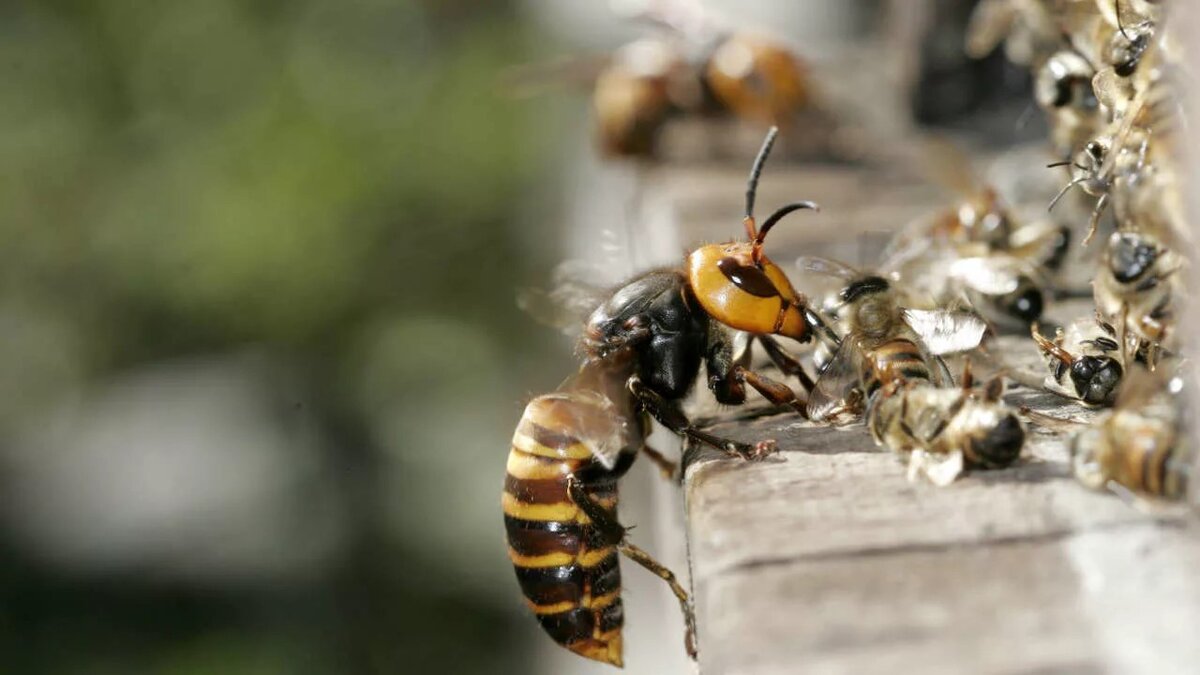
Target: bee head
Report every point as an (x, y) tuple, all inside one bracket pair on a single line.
[(1096, 378), (1001, 443), (1130, 256), (741, 287), (1064, 79), (1024, 304), (1127, 46)]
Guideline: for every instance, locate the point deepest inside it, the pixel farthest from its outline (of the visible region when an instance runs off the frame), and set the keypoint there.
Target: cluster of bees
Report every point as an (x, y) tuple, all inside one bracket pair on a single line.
[(945, 285)]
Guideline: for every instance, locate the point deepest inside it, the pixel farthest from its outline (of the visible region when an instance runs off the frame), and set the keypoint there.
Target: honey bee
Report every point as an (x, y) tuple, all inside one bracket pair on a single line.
[(976, 251), (1141, 445), (1086, 362), (1063, 89), (1137, 287), (888, 366), (883, 341), (1135, 23), (1131, 162), (941, 429), (1027, 28), (642, 350)]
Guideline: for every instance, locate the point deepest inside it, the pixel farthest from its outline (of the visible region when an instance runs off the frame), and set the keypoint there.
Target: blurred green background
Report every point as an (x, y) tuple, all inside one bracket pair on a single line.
[(259, 354)]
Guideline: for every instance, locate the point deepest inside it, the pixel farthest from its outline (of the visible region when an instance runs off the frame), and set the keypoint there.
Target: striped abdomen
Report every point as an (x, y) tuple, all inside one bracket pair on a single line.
[(567, 567), (898, 358), (1153, 465)]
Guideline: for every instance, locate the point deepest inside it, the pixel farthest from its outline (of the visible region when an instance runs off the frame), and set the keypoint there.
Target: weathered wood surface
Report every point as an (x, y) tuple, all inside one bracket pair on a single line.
[(826, 559)]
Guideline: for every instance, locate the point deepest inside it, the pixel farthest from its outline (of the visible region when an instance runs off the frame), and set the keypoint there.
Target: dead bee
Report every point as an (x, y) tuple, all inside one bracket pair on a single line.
[(1137, 287), (1086, 362), (883, 341), (976, 251), (1141, 445), (642, 348), (942, 430), (1135, 24), (1063, 89)]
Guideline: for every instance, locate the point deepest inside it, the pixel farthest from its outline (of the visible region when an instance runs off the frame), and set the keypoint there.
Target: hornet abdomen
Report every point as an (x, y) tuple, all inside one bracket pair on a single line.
[(566, 566)]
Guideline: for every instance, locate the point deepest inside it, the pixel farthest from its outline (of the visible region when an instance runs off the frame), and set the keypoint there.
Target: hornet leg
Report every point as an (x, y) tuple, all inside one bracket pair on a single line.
[(614, 531), (785, 361), (665, 466), (775, 392), (671, 417)]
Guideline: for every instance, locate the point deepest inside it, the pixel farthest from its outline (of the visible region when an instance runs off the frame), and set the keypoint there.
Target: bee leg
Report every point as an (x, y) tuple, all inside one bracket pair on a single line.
[(1050, 421), (785, 361), (665, 466), (670, 416), (614, 534), (1094, 222), (775, 392)]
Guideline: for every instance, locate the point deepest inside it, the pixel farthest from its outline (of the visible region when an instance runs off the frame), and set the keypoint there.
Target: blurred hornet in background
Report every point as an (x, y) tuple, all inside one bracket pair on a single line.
[(642, 351), (1143, 445), (700, 69), (694, 69)]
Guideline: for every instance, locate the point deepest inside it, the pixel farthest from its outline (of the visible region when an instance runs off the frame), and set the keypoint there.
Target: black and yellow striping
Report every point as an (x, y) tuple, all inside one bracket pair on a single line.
[(567, 570), (1153, 467), (896, 359)]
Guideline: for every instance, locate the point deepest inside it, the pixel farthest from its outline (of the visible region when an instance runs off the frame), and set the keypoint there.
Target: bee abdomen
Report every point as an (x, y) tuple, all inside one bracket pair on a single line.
[(897, 358), (1163, 474)]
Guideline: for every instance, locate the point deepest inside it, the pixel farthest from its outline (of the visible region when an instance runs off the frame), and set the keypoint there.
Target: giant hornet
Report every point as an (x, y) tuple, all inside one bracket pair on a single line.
[(697, 69), (642, 351)]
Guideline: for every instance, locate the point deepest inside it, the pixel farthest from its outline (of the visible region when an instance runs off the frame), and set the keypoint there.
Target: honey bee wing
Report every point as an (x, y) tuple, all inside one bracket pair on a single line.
[(1106, 86), (574, 294), (990, 274), (946, 332), (989, 25), (909, 244), (1038, 241), (826, 267), (836, 383)]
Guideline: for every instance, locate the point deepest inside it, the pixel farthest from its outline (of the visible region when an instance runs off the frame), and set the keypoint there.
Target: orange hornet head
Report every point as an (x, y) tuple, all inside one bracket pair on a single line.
[(740, 287)]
